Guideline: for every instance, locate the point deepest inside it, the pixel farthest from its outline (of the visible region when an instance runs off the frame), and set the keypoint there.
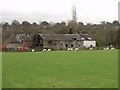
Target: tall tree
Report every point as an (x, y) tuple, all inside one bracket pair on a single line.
[(34, 24), (116, 23), (5, 25), (15, 22), (70, 31), (44, 24), (25, 23)]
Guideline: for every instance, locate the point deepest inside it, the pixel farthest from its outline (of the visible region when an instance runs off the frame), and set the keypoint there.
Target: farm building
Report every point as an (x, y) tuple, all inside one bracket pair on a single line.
[(63, 41), (88, 41), (18, 40)]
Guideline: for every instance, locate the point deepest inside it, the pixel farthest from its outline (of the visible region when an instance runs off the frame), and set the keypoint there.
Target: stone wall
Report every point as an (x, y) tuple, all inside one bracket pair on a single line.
[(62, 45)]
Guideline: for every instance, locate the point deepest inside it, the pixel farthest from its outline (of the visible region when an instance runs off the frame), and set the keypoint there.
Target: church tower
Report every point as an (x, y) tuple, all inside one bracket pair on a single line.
[(73, 23)]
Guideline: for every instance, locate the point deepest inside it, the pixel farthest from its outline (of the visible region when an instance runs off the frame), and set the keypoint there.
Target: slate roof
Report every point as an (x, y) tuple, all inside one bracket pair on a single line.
[(86, 37), (21, 37), (65, 37)]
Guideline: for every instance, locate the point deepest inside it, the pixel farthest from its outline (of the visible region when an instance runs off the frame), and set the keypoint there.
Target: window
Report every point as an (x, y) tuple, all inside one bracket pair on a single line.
[(91, 45), (50, 41), (66, 45), (36, 45), (82, 38), (74, 38), (89, 38), (41, 44), (71, 45)]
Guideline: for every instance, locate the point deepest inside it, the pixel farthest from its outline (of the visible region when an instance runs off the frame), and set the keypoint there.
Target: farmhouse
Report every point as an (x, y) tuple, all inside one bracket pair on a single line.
[(63, 41)]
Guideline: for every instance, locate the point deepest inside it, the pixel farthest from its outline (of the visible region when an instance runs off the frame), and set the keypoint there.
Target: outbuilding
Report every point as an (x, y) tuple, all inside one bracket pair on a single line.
[(63, 41)]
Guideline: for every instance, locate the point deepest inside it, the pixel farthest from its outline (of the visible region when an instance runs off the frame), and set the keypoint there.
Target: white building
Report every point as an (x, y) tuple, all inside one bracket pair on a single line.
[(88, 41), (89, 44)]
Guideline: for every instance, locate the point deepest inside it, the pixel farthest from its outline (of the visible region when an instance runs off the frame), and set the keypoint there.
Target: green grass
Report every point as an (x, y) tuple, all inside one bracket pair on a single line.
[(61, 69), (0, 70)]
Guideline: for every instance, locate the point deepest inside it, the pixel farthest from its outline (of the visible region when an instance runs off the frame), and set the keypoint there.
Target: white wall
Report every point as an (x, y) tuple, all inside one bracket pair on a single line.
[(88, 43)]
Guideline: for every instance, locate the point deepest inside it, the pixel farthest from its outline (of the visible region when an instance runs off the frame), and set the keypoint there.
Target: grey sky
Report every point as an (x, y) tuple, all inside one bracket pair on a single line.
[(93, 11)]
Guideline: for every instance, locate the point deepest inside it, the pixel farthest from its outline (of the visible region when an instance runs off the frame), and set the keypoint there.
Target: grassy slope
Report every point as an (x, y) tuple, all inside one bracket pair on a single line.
[(75, 69)]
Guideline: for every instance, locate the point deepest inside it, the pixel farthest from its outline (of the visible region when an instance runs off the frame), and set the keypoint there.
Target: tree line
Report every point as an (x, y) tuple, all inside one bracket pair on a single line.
[(105, 33)]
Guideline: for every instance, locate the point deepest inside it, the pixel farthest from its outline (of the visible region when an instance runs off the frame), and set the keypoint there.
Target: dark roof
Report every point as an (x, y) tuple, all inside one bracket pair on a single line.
[(60, 36), (65, 37), (86, 37), (22, 37)]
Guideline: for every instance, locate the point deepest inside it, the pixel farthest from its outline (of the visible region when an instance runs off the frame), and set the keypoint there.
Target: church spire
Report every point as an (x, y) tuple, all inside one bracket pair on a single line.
[(74, 15)]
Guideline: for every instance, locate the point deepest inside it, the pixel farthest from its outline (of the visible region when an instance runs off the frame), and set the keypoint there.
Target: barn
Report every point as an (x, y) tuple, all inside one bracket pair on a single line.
[(63, 41), (18, 40)]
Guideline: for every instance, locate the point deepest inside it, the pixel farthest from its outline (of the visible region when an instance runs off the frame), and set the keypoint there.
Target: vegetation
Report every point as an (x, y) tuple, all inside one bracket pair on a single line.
[(0, 70), (105, 34), (61, 69)]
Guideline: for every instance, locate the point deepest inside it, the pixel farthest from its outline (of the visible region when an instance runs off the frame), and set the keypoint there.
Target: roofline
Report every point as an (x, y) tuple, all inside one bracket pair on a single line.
[(68, 34), (58, 34)]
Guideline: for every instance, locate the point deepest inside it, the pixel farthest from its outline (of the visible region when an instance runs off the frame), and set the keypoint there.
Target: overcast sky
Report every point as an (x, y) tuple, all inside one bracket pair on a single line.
[(88, 11)]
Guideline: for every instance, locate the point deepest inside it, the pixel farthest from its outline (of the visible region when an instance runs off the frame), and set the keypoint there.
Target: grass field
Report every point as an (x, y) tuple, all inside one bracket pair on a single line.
[(0, 70), (61, 69)]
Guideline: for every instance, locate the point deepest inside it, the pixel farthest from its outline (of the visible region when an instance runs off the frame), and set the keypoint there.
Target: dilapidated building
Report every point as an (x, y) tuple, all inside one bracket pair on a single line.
[(19, 40), (63, 41)]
